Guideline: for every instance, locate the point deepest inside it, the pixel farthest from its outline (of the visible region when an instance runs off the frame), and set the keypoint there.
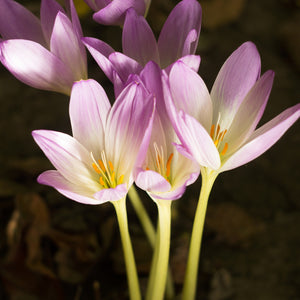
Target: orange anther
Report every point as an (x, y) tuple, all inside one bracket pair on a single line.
[(224, 149)]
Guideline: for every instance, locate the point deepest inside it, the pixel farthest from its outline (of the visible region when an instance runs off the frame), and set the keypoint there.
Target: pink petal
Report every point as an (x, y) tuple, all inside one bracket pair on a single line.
[(263, 138), (114, 12), (112, 194), (127, 123), (35, 66), (49, 11), (81, 194), (197, 141), (250, 112), (138, 39), (236, 77), (67, 155), (17, 22), (124, 65), (88, 123), (190, 94), (152, 182), (175, 39), (100, 52), (171, 195), (66, 45)]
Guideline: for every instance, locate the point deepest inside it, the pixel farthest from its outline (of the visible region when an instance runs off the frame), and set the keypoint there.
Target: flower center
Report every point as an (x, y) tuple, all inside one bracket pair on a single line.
[(217, 136), (162, 167), (108, 178)]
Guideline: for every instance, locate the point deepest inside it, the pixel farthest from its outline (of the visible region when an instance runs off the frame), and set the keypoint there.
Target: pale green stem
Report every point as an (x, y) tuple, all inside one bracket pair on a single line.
[(132, 277), (159, 268), (142, 215), (150, 232), (190, 280)]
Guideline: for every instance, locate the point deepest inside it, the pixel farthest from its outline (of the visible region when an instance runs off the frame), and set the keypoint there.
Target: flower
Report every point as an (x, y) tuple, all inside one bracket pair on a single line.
[(41, 53), (96, 164), (178, 40), (218, 129), (110, 12), (165, 172)]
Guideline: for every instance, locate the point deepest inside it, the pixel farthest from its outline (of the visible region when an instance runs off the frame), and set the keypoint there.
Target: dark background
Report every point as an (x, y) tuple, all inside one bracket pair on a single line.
[(54, 248)]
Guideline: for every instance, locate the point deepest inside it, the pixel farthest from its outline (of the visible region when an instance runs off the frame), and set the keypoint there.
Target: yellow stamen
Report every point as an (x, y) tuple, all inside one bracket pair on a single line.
[(169, 165), (96, 168), (224, 132), (120, 180), (216, 142), (102, 181), (111, 166), (101, 165), (224, 149), (218, 130), (113, 178), (212, 130)]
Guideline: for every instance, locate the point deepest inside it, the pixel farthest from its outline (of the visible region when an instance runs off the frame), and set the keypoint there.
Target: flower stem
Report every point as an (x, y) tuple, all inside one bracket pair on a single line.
[(132, 277), (142, 215), (190, 280), (150, 232), (159, 268)]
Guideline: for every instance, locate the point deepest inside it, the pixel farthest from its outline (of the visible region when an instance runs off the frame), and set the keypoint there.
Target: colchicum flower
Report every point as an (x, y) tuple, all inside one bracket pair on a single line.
[(165, 172), (178, 40), (218, 129), (41, 53), (96, 164), (112, 12)]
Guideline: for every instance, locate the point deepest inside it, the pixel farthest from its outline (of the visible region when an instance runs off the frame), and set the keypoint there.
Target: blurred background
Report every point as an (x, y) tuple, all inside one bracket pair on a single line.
[(54, 248)]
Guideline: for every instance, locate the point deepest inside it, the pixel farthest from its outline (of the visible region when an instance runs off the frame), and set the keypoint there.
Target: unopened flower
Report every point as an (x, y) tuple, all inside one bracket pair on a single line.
[(46, 54), (218, 129), (112, 12), (96, 164), (178, 40)]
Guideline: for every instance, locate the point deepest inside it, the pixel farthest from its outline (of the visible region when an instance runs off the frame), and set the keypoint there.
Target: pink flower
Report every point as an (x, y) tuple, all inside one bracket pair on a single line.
[(95, 165), (178, 40), (112, 12), (218, 130), (165, 172), (46, 54)]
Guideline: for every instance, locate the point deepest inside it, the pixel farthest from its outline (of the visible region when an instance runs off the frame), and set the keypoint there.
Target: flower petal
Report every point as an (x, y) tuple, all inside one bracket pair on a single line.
[(236, 77), (73, 191), (35, 66), (197, 141), (263, 138), (174, 40), (124, 65), (68, 156), (152, 181), (112, 194), (65, 44), (127, 123), (250, 112), (100, 52), (114, 12), (88, 123), (49, 11), (17, 22), (138, 39), (190, 94)]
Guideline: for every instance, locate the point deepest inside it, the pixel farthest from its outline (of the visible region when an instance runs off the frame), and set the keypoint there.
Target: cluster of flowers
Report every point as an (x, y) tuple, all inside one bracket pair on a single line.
[(164, 128)]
